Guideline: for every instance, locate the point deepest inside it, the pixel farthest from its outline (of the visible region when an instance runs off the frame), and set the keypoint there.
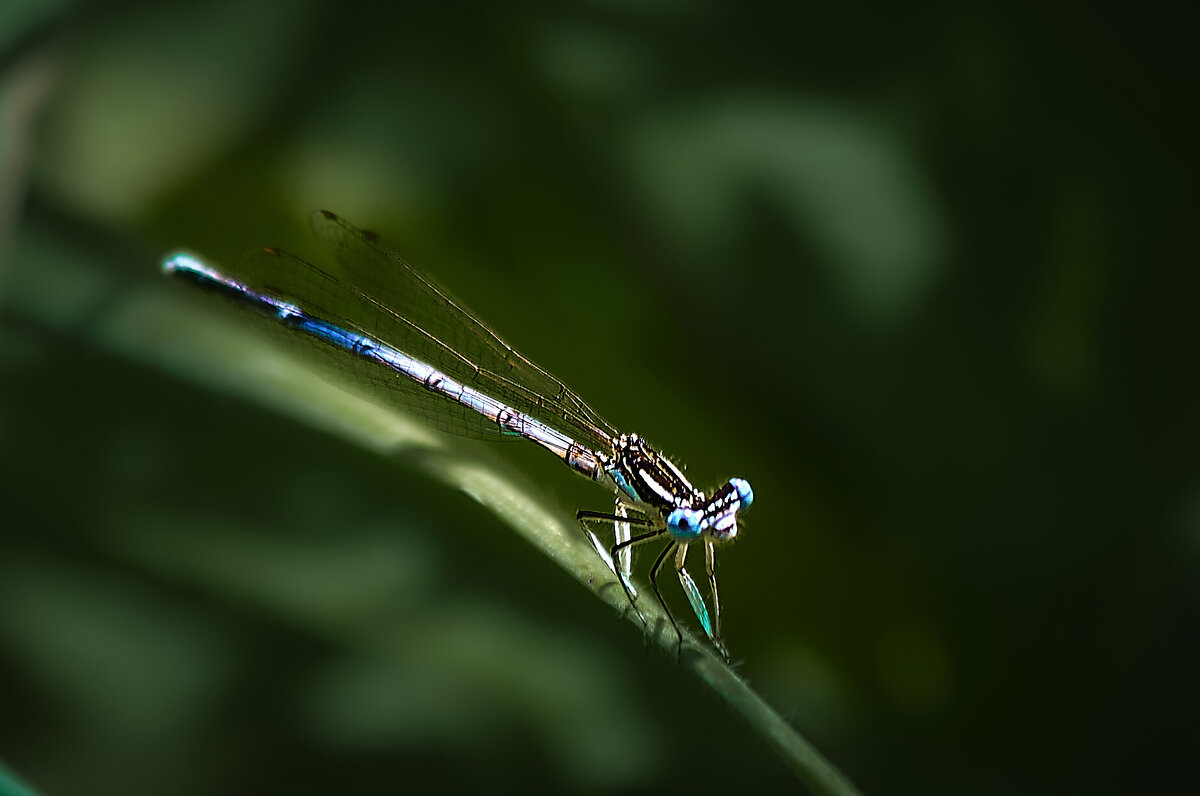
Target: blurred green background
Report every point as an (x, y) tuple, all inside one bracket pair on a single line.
[(919, 274)]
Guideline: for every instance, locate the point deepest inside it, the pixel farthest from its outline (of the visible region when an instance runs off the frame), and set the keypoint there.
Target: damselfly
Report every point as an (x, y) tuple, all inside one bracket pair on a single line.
[(390, 326)]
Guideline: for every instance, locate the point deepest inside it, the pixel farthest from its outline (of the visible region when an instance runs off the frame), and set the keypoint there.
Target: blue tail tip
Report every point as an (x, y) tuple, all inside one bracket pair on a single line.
[(184, 261)]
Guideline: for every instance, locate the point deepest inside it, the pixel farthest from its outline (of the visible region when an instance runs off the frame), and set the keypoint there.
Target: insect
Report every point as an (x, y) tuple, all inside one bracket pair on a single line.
[(392, 328)]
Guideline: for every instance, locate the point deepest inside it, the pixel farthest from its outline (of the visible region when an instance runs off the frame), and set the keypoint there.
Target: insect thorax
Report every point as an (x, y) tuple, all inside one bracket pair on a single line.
[(643, 474)]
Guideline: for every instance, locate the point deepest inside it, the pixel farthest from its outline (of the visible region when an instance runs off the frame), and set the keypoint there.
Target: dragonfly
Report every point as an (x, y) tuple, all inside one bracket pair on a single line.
[(386, 325)]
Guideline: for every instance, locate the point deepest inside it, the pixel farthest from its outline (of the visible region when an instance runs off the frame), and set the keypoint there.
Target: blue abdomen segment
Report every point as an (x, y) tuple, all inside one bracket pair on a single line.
[(334, 335)]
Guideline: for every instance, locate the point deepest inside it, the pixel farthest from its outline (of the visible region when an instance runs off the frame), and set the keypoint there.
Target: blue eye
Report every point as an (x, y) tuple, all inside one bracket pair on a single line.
[(684, 524), (745, 493)]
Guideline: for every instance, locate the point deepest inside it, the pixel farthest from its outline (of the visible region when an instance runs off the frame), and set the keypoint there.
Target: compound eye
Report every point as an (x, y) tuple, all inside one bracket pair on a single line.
[(684, 524), (744, 492)]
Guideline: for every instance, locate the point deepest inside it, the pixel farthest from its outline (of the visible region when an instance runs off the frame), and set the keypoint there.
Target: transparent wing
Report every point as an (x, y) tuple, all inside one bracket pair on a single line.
[(372, 291), (418, 317)]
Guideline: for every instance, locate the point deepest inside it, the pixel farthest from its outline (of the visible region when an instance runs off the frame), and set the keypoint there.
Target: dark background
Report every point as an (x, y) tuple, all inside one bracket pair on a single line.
[(924, 275)]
